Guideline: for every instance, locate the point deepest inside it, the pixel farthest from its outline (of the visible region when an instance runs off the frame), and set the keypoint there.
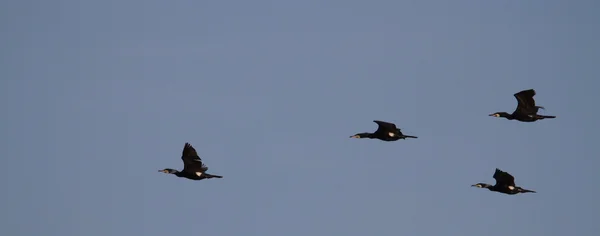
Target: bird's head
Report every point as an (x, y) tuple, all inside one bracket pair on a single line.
[(361, 135), (168, 171), (481, 185), (500, 114)]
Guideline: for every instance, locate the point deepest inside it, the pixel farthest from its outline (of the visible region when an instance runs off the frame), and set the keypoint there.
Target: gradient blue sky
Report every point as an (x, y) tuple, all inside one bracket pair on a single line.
[(97, 96)]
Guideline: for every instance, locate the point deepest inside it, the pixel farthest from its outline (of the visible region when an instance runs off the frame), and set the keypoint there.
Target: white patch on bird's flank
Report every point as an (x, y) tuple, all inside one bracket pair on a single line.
[(391, 134), (199, 174), (511, 187)]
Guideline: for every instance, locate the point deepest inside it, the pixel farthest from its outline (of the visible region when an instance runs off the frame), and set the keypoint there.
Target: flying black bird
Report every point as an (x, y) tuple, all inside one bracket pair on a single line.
[(505, 183), (193, 168), (386, 132), (526, 109)]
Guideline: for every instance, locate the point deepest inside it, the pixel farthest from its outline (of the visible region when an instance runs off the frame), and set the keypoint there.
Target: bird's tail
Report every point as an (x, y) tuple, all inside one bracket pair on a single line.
[(213, 176), (527, 191), (409, 136)]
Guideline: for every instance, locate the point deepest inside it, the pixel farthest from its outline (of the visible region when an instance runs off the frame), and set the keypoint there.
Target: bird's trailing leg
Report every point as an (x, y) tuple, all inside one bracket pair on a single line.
[(545, 117), (522, 190), (208, 176)]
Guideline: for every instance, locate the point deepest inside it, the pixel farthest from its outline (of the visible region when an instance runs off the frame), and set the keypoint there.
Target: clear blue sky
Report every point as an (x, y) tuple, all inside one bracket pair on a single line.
[(97, 96)]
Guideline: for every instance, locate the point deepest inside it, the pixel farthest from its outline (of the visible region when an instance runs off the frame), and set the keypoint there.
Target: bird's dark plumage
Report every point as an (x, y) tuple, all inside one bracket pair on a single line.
[(505, 183), (526, 110), (386, 131), (193, 168)]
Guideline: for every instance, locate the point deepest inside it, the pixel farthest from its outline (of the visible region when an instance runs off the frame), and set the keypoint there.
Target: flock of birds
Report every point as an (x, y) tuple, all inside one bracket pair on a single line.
[(526, 111)]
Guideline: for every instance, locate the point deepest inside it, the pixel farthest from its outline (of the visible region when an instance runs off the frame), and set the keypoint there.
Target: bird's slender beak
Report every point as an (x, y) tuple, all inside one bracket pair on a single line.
[(354, 136), (491, 114), (161, 171)]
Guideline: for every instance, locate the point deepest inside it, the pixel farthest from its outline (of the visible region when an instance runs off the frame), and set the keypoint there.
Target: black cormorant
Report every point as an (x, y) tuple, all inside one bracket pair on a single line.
[(193, 168), (386, 132), (526, 109), (505, 183)]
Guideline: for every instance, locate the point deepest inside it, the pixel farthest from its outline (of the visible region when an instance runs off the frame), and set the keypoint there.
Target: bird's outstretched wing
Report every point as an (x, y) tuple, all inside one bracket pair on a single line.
[(385, 127), (503, 178), (526, 103), (191, 160)]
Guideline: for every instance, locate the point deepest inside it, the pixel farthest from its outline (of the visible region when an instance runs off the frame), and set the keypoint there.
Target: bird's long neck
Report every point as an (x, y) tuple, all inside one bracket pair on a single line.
[(367, 135), (507, 115), (177, 173)]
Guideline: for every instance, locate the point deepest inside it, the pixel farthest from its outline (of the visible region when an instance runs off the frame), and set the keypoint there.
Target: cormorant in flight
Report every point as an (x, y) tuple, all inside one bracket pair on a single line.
[(193, 168), (505, 183), (386, 132), (526, 109)]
